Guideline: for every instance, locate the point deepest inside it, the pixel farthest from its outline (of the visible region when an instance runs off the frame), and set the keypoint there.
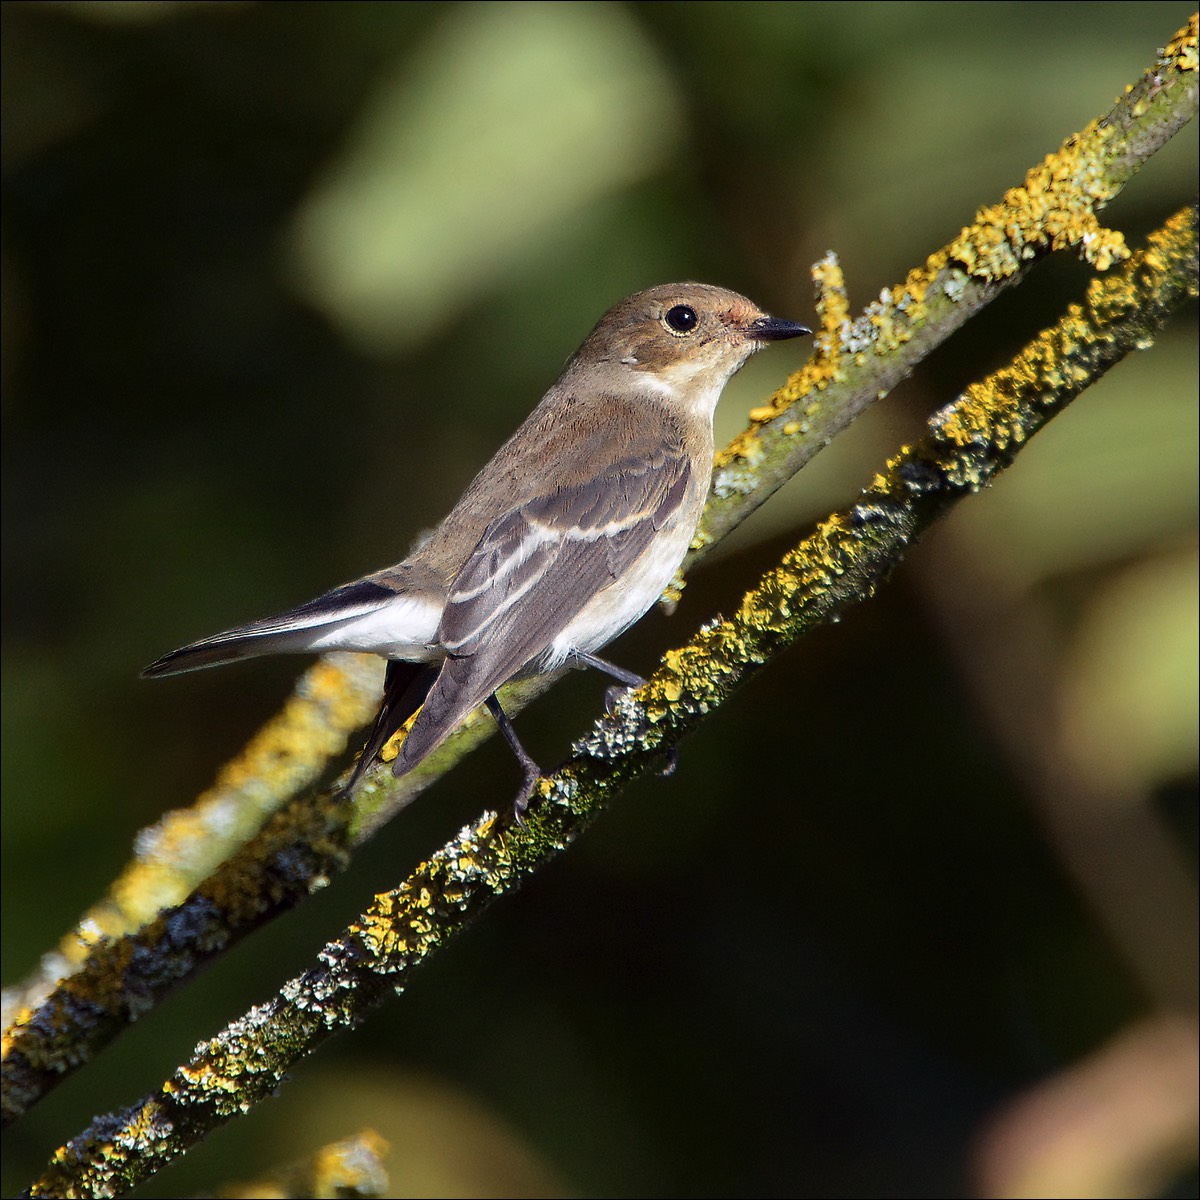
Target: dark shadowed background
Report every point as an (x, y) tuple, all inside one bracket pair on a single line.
[(278, 278)]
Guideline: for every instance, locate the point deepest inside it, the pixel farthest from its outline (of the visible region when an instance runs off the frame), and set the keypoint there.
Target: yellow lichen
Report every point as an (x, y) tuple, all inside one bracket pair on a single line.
[(833, 302), (1179, 53), (351, 1167), (22, 1018), (1054, 209)]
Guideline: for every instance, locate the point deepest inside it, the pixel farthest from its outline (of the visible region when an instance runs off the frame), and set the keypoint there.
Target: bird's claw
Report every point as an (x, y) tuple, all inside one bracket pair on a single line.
[(533, 774)]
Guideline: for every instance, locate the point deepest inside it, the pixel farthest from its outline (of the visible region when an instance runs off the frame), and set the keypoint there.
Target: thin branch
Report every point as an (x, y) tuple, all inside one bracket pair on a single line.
[(841, 563)]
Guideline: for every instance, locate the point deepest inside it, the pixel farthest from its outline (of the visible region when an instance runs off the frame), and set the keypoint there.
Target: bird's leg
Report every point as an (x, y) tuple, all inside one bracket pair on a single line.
[(628, 678), (613, 694), (532, 772)]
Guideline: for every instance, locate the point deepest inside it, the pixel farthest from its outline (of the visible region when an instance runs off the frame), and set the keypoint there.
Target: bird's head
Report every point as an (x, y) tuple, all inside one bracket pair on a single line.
[(682, 340)]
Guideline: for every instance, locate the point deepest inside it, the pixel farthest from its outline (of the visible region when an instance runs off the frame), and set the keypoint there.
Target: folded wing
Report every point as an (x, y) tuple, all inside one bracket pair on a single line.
[(534, 570)]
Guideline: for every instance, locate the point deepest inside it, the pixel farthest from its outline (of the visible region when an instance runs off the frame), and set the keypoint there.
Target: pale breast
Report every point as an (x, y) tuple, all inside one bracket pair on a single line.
[(616, 607)]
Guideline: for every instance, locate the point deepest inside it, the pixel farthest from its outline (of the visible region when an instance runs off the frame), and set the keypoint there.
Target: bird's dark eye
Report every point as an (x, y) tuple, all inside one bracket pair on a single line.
[(682, 318)]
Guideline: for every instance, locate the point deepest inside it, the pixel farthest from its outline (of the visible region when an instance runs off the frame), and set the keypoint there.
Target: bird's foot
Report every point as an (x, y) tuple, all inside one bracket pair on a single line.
[(530, 779), (613, 695)]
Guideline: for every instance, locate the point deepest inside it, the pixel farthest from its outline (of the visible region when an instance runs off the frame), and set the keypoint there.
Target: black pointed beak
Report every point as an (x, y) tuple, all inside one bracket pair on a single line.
[(772, 329)]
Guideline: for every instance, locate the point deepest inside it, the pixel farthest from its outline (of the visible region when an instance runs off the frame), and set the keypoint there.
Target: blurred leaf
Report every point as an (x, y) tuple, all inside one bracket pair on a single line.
[(1133, 683), (510, 119)]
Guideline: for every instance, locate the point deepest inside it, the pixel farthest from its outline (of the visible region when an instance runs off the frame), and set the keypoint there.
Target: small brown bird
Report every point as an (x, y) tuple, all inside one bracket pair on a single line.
[(560, 543)]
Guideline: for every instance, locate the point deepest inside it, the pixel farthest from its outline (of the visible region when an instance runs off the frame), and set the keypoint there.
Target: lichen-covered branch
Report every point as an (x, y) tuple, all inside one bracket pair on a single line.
[(354, 1167), (114, 966), (330, 702), (968, 443)]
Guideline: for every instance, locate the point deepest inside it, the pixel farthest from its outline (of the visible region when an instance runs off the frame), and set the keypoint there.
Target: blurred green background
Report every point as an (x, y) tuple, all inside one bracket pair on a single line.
[(279, 277)]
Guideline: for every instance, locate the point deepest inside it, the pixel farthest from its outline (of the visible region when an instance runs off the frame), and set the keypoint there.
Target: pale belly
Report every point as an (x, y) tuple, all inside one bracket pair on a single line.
[(625, 600)]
